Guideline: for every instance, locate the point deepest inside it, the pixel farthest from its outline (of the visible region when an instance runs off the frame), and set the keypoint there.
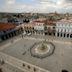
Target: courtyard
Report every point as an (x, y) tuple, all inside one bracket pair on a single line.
[(59, 60)]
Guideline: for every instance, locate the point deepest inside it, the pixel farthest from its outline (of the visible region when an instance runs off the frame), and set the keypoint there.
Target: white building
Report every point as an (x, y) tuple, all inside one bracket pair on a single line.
[(39, 27), (64, 28)]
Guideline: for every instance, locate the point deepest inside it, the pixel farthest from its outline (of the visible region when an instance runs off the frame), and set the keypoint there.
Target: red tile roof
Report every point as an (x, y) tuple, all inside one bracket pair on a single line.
[(6, 26)]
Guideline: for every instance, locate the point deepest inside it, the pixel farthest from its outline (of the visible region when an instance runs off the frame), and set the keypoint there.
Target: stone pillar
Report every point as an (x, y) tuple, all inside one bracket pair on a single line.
[(1, 39), (63, 35), (13, 34), (16, 32), (59, 34), (69, 35), (43, 33), (4, 37), (19, 31), (56, 34), (66, 35), (35, 32), (8, 36)]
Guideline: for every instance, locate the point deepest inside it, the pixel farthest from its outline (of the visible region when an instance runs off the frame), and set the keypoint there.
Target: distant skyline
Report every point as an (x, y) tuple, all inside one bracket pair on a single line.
[(38, 6)]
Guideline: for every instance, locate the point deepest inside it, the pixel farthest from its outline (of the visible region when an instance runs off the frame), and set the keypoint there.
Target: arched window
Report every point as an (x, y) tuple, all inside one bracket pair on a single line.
[(67, 35), (71, 36)]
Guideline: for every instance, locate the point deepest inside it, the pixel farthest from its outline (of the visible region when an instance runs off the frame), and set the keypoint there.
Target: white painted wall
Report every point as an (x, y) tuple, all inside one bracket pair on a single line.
[(64, 27), (39, 26)]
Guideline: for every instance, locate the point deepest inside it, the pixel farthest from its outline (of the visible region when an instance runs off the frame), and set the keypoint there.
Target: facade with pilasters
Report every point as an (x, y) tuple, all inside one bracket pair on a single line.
[(64, 28)]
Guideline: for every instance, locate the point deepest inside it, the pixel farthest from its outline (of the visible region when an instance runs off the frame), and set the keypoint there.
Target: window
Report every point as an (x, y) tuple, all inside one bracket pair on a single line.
[(67, 35), (64, 34), (63, 30), (58, 34), (63, 25), (59, 30), (53, 27), (66, 30), (61, 34), (67, 26), (71, 36)]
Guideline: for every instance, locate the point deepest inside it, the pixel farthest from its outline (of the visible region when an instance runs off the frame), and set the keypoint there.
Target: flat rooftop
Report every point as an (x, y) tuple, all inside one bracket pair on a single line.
[(60, 59)]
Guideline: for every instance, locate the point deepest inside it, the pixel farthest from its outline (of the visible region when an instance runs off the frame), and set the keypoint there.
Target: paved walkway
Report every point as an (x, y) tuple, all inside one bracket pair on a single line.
[(18, 63), (9, 43), (33, 38), (51, 40)]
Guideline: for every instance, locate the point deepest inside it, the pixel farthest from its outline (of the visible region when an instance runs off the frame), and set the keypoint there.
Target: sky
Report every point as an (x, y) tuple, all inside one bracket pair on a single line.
[(38, 6)]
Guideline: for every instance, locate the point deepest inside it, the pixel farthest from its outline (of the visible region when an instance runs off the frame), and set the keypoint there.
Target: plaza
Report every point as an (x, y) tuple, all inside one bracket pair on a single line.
[(59, 60)]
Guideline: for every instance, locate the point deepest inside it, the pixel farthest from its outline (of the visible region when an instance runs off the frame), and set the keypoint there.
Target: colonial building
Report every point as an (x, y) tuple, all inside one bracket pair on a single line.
[(8, 30), (35, 27), (29, 28), (64, 28), (50, 27), (39, 27)]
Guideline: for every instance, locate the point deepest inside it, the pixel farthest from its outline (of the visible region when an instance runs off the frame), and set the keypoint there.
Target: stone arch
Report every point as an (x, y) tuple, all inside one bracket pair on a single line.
[(71, 36)]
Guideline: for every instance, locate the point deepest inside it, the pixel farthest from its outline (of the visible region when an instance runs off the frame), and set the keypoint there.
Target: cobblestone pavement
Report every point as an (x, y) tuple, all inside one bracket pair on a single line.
[(9, 68), (61, 59), (37, 37)]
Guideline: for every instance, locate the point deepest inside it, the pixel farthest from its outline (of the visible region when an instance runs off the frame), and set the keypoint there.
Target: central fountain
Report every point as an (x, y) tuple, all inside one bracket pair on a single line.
[(42, 49)]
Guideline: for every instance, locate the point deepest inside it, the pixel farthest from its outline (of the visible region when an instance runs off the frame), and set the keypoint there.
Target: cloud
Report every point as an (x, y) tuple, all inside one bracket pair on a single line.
[(10, 1), (68, 1), (39, 6), (13, 6), (56, 3), (17, 8)]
